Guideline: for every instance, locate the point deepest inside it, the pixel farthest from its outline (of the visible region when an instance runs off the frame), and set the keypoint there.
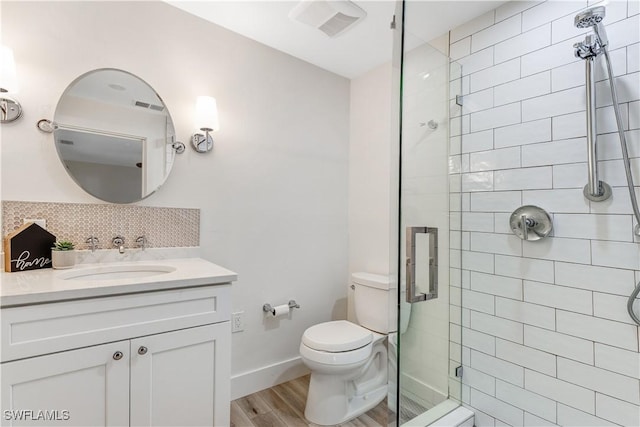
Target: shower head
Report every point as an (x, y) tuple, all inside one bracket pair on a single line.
[(590, 17), (593, 17)]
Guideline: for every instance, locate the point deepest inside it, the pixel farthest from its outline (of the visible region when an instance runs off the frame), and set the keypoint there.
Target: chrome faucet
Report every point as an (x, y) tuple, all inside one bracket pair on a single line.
[(141, 242), (92, 241), (118, 242)]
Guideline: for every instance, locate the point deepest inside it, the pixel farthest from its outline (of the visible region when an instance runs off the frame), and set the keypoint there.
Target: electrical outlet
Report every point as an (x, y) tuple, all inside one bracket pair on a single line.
[(237, 321)]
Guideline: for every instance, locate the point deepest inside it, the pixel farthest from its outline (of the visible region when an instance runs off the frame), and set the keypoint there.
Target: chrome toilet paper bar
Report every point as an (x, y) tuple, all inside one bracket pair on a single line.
[(268, 308)]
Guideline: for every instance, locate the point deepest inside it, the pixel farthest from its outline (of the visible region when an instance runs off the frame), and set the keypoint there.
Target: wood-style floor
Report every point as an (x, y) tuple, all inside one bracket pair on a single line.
[(283, 406)]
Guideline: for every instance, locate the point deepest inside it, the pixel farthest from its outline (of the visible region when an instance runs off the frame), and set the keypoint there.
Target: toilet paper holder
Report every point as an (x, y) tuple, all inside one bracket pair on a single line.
[(268, 308)]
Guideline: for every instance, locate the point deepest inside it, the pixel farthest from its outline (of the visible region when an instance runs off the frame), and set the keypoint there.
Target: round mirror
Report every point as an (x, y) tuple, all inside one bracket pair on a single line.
[(114, 135)]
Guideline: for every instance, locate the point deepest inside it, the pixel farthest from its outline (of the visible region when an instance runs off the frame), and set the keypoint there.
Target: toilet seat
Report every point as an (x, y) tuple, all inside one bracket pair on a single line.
[(336, 336), (342, 358)]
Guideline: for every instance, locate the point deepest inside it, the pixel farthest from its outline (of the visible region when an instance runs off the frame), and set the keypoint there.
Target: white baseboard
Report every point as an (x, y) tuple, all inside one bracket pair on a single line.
[(420, 392), (249, 382)]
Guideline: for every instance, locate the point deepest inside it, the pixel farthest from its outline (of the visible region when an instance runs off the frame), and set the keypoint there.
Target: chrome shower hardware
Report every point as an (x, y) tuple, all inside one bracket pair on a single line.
[(530, 223), (590, 47), (410, 263), (630, 301), (433, 125), (589, 17), (593, 17), (589, 51), (595, 190)]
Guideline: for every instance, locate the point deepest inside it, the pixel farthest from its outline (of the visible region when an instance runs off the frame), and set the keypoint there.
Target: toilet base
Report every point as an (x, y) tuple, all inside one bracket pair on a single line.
[(334, 399), (335, 409)]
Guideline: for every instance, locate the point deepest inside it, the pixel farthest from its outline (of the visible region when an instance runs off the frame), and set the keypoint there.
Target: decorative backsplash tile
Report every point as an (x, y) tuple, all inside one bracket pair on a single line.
[(163, 227)]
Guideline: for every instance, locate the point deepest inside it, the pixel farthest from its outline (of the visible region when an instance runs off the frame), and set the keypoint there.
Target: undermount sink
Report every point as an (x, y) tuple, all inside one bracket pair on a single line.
[(113, 272)]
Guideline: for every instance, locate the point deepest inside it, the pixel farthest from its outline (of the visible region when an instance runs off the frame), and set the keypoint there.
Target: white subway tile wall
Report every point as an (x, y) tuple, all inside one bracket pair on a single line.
[(560, 391), (523, 312), (526, 356), (533, 421), (570, 417), (546, 339)]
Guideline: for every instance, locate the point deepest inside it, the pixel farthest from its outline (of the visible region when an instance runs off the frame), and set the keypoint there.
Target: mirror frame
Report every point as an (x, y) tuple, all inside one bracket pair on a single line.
[(163, 148)]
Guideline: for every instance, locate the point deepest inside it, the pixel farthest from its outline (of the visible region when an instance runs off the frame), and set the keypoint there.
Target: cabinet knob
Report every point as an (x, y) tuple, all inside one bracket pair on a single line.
[(142, 350), (117, 355)]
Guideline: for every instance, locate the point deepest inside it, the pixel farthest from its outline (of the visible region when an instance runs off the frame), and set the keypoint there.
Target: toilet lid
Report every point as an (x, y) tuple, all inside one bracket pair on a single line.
[(336, 336)]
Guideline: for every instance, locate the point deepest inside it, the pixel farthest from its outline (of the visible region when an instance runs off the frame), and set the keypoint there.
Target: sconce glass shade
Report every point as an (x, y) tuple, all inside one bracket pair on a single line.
[(207, 114), (8, 78)]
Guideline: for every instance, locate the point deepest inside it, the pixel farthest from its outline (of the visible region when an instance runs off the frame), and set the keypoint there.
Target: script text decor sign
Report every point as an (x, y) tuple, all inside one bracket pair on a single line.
[(28, 248)]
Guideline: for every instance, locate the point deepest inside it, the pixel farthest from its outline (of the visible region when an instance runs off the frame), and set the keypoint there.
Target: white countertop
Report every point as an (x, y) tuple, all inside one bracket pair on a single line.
[(49, 285)]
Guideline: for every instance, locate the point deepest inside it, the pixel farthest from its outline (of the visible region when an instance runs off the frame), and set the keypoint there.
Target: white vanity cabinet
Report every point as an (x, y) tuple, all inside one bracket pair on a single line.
[(84, 387), (146, 359), (181, 378)]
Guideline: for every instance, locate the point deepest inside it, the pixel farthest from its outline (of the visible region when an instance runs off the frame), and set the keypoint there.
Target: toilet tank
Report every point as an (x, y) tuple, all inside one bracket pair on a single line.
[(374, 301)]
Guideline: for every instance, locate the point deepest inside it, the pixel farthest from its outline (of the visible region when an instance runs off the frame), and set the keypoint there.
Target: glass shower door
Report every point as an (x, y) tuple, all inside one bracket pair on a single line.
[(430, 233)]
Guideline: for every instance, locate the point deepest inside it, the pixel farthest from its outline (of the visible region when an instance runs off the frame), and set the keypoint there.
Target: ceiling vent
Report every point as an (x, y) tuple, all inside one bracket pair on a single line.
[(149, 106), (331, 17)]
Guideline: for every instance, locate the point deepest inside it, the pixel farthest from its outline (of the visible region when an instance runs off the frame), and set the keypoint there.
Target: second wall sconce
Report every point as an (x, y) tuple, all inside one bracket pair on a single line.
[(10, 108), (207, 121)]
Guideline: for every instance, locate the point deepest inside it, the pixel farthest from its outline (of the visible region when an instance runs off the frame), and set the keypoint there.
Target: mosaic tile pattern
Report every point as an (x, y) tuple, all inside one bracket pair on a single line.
[(163, 227)]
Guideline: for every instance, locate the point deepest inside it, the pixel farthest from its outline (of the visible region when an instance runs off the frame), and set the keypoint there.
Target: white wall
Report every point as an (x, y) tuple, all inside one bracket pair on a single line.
[(546, 336), (370, 193), (273, 193)]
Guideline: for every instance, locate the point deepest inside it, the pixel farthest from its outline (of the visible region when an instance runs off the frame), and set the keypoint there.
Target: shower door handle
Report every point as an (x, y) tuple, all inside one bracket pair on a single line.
[(411, 264)]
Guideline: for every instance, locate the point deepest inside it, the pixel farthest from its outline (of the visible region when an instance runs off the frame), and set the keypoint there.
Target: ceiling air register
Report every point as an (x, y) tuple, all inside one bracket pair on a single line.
[(331, 17)]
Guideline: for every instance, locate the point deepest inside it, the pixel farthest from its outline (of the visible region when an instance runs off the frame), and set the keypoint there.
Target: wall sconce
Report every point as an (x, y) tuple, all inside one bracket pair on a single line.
[(207, 121), (10, 109)]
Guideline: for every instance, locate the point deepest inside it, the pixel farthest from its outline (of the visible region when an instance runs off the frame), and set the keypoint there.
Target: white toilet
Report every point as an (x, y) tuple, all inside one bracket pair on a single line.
[(348, 362)]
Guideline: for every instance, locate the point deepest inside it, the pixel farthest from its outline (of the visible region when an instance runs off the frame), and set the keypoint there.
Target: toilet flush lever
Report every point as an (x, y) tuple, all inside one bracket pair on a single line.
[(411, 264)]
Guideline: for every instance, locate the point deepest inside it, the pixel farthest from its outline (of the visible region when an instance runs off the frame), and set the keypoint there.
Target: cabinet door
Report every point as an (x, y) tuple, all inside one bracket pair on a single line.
[(85, 387), (182, 378)]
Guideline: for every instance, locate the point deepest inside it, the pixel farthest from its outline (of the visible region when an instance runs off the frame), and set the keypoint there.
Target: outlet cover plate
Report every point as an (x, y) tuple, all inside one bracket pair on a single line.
[(237, 321)]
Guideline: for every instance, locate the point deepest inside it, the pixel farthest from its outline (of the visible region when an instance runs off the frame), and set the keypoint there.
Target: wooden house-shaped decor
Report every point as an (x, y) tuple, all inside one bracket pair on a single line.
[(28, 248)]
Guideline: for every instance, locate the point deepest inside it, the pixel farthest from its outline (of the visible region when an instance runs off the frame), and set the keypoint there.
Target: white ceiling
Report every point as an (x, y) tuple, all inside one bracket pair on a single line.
[(359, 49)]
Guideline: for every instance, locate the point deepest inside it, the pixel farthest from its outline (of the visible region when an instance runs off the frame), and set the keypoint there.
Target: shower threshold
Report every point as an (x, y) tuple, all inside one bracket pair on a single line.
[(448, 413)]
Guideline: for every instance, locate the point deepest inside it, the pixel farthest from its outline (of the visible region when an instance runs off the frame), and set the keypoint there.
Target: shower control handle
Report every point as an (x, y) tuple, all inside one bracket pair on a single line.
[(411, 264), (527, 223), (530, 223)]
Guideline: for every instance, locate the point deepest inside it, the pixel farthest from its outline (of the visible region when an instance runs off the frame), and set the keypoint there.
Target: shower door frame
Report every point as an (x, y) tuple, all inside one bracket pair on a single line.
[(451, 232)]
